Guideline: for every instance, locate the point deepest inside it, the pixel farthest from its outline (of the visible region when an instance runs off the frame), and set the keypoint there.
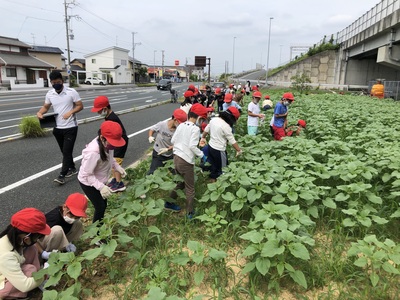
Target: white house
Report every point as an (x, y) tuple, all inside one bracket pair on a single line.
[(111, 63)]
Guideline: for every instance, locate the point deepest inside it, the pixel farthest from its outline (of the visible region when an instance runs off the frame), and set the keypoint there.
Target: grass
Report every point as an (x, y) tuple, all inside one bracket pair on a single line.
[(30, 127)]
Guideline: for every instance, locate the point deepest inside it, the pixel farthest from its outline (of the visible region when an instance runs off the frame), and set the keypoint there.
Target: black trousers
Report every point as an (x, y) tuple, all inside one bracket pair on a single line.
[(157, 161), (97, 200), (66, 141)]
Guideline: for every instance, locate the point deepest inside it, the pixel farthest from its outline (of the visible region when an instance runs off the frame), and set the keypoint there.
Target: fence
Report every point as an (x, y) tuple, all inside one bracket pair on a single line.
[(392, 89)]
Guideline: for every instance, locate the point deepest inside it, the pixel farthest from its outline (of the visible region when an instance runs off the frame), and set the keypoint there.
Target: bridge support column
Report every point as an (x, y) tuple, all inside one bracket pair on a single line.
[(389, 56)]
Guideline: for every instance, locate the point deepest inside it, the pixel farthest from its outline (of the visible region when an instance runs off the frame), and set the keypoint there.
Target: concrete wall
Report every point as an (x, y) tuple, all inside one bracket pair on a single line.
[(321, 68)]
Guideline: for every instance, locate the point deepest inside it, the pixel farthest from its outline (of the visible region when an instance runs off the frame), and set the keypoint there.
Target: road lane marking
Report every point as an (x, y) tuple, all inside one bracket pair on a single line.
[(49, 170)]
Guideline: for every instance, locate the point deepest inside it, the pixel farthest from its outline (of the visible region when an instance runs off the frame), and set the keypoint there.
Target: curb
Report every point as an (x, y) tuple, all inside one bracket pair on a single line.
[(92, 119)]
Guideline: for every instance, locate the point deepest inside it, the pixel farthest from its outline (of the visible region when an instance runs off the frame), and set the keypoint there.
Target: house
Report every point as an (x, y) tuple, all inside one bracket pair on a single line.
[(19, 69), (78, 66), (111, 64), (51, 55)]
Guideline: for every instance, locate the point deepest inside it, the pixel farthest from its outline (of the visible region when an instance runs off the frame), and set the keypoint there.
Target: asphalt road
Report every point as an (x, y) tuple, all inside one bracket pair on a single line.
[(28, 166)]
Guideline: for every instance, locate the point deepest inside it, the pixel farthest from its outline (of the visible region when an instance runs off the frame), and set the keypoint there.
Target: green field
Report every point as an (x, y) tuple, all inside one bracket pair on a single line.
[(309, 217)]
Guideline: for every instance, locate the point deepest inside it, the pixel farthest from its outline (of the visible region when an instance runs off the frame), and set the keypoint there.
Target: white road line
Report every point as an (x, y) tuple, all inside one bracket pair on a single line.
[(49, 170)]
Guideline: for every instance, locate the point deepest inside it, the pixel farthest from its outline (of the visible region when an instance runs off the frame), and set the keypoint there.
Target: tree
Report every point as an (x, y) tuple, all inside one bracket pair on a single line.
[(301, 82)]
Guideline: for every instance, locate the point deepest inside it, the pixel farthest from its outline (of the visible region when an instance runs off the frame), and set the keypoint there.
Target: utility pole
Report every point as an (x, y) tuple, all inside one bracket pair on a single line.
[(269, 39), (233, 58), (67, 32), (209, 69), (133, 55), (162, 61)]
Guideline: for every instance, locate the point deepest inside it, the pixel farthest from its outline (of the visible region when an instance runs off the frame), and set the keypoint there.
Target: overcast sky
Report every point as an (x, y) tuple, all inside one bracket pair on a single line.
[(183, 29)]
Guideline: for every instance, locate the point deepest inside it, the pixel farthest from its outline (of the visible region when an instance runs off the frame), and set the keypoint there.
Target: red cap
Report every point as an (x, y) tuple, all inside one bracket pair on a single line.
[(288, 96), (231, 85), (203, 126), (99, 103), (267, 97), (112, 132), (188, 94), (242, 91), (228, 98), (210, 109), (234, 111), (257, 94), (199, 110), (30, 220), (254, 88), (218, 91), (77, 204), (192, 88), (180, 115), (196, 91), (302, 123)]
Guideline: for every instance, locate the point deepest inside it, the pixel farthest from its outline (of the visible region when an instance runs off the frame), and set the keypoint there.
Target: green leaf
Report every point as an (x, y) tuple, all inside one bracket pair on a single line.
[(361, 262), (91, 253), (228, 196), (396, 214), (293, 196), (278, 198), (154, 229), (250, 250), (348, 222), (299, 278), (263, 265), (109, 248), (241, 193), (198, 277), (388, 267), (299, 250), (272, 248), (280, 267), (216, 254), (236, 205), (53, 280), (50, 295), (253, 195), (74, 270), (289, 267), (306, 195), (155, 293), (386, 177), (181, 259), (374, 198), (254, 236), (341, 197), (123, 238), (328, 202), (248, 267), (374, 279), (313, 211), (379, 220)]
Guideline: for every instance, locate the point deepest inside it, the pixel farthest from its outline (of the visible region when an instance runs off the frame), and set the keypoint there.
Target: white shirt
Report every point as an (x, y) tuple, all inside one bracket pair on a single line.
[(63, 103), (220, 132), (185, 142), (255, 109)]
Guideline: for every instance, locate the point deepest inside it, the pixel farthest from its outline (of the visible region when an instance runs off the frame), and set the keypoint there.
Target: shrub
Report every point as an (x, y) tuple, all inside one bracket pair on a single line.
[(30, 127)]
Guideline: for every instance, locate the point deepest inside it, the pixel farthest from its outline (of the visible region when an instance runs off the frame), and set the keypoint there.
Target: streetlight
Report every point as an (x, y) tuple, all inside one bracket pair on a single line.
[(269, 38), (154, 65), (233, 58)]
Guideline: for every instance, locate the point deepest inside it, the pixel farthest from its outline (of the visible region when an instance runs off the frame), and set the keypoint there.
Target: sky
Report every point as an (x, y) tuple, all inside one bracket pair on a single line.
[(236, 33)]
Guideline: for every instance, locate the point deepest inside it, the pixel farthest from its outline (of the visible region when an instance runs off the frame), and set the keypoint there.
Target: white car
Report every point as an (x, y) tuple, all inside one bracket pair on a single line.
[(95, 80)]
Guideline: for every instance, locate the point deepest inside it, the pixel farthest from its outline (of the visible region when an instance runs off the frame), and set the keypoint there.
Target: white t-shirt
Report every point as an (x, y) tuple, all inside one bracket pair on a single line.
[(164, 136), (63, 103), (185, 141), (255, 109), (220, 132)]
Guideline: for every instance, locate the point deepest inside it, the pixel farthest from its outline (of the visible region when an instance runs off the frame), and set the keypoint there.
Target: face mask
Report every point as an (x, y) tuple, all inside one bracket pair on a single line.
[(69, 220), (103, 113), (57, 86), (199, 121), (286, 103), (110, 147)]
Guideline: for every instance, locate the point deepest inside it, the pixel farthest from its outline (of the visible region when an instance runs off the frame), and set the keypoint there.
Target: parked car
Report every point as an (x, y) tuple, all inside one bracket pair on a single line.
[(220, 85), (164, 84), (95, 80)]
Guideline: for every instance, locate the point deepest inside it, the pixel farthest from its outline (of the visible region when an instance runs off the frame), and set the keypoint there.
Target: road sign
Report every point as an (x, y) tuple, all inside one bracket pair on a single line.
[(200, 61)]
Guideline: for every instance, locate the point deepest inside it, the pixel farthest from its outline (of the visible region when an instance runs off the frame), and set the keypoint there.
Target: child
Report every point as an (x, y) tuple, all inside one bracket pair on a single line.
[(97, 162), (253, 112), (185, 150), (267, 103), (102, 107), (290, 131)]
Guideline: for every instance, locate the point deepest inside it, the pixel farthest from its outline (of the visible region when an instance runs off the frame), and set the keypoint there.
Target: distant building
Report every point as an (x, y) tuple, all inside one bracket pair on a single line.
[(19, 69), (111, 64)]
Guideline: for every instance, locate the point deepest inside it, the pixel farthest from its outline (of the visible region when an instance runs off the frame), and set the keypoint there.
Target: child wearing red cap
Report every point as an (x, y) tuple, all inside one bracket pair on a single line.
[(296, 130), (102, 106), (97, 162), (185, 141), (253, 112), (18, 260), (280, 116), (220, 130), (66, 226), (162, 150)]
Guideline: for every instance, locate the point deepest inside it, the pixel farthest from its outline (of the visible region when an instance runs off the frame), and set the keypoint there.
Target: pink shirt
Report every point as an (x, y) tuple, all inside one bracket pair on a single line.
[(93, 171)]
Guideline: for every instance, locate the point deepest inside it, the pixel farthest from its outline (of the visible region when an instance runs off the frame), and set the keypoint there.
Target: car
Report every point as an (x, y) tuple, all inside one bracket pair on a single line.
[(220, 85), (164, 84), (95, 80)]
